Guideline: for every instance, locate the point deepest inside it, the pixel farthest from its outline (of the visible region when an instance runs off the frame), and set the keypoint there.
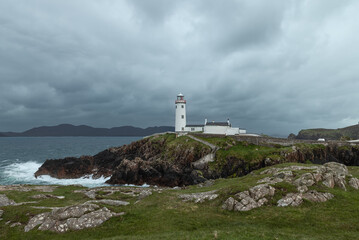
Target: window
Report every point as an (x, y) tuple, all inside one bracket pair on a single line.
[(176, 106), (192, 129), (182, 116), (182, 106), (183, 129)]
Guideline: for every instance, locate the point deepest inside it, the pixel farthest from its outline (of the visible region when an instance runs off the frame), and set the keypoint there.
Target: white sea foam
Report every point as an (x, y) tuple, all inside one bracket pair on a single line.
[(18, 172)]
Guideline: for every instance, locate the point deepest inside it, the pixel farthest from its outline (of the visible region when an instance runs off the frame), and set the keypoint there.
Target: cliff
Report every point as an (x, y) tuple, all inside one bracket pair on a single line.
[(169, 161), (159, 160), (351, 132)]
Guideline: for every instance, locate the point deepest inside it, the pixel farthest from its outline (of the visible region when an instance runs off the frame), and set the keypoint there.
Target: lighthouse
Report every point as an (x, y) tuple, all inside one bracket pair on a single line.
[(180, 123)]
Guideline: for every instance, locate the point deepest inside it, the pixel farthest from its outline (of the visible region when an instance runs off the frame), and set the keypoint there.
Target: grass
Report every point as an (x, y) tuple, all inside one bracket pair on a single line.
[(172, 147), (165, 216)]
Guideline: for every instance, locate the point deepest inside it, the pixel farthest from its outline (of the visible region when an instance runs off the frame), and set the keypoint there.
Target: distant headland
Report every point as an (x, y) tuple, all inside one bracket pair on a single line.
[(63, 130), (344, 134)]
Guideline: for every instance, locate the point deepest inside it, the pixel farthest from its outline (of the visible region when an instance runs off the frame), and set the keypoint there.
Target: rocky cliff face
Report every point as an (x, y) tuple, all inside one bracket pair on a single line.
[(162, 160), (169, 161)]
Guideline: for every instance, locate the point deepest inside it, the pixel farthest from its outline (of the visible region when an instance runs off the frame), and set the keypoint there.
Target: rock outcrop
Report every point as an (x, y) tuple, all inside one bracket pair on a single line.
[(255, 197), (199, 197), (71, 218), (330, 175), (153, 161), (5, 201)]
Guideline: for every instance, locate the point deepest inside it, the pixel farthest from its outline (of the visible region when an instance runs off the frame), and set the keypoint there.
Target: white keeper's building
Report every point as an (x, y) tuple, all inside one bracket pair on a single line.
[(181, 125)]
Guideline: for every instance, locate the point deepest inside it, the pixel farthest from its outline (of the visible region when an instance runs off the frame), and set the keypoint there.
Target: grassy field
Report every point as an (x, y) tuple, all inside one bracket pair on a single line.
[(164, 216)]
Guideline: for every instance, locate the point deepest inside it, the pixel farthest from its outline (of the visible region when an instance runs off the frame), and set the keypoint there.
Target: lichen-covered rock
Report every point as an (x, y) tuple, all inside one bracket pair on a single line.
[(229, 204), (199, 197), (71, 218), (270, 180), (306, 179), (315, 196), (354, 183), (302, 189), (109, 202), (5, 201), (35, 221), (328, 180), (253, 198), (291, 199), (340, 182), (88, 193), (337, 168), (283, 175), (15, 224), (330, 174), (72, 211), (260, 191)]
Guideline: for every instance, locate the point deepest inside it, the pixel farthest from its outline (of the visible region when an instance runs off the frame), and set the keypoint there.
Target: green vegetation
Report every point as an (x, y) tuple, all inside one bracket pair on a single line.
[(243, 152), (172, 147), (344, 134), (165, 216)]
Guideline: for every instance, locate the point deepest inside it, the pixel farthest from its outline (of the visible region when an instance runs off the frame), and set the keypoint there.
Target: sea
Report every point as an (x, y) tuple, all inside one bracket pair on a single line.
[(20, 157)]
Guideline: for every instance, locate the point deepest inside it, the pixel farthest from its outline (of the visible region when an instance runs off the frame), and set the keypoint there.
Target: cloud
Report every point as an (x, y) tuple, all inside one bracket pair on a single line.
[(272, 67)]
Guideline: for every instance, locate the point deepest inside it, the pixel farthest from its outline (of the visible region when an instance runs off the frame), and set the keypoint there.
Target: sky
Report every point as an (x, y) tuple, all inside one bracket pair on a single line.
[(272, 67)]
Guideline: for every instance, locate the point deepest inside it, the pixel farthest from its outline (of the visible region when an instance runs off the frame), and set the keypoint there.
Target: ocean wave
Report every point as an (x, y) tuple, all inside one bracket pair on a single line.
[(23, 173)]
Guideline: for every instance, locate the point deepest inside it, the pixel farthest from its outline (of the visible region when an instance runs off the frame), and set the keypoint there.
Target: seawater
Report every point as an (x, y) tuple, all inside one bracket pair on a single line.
[(20, 157)]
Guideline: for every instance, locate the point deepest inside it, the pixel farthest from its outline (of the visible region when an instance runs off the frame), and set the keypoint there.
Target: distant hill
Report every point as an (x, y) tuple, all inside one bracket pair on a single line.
[(83, 130), (351, 132)]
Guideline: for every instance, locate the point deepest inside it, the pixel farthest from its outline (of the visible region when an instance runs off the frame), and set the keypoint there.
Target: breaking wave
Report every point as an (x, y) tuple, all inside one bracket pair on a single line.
[(23, 173)]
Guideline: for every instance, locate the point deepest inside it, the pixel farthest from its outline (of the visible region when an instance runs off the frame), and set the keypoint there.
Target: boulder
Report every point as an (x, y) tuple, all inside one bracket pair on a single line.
[(302, 189), (354, 183), (328, 180), (229, 204), (5, 201), (315, 196), (89, 193), (291, 199), (260, 191), (35, 221), (71, 218), (337, 168), (15, 224), (199, 197), (283, 175), (340, 182), (306, 179), (253, 198)]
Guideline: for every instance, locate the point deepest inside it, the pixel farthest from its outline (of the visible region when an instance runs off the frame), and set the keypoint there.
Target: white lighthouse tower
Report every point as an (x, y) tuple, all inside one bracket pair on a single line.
[(180, 123)]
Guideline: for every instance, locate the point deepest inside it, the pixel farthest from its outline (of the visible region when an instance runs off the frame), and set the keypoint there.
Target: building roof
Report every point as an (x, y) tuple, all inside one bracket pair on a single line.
[(218, 124), (195, 125)]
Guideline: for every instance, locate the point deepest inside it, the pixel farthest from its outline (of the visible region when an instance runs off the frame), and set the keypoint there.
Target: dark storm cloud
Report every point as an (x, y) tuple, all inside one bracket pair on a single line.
[(271, 66)]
